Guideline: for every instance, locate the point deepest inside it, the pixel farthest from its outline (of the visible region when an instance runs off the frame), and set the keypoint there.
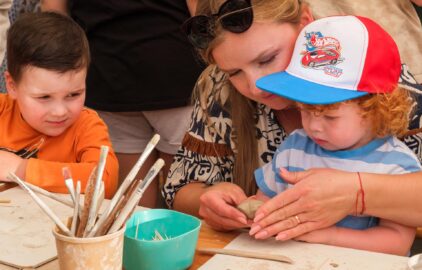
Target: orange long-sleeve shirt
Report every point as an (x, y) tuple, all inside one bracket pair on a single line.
[(77, 148)]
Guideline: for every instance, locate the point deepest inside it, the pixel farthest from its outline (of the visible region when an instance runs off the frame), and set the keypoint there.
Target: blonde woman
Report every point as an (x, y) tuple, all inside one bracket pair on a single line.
[(235, 128)]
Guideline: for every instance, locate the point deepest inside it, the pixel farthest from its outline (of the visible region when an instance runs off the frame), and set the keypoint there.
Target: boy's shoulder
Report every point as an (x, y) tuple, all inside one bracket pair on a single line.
[(399, 153), (88, 118), (6, 103), (297, 139), (88, 114)]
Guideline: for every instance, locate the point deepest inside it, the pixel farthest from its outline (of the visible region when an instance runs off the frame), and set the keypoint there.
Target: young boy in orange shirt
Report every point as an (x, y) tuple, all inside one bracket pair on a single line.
[(44, 125)]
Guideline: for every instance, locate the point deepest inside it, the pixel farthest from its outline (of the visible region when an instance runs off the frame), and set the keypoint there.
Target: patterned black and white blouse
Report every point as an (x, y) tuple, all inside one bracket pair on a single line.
[(207, 151)]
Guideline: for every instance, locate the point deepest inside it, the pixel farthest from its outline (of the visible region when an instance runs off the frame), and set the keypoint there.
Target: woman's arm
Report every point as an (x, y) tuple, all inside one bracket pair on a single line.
[(392, 197), (216, 204)]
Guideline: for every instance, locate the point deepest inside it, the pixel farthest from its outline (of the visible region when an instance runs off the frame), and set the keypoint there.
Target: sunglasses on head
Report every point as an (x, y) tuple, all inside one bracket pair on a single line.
[(234, 15)]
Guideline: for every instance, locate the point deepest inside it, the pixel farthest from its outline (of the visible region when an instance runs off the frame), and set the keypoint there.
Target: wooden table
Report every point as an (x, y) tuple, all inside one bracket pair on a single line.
[(207, 238)]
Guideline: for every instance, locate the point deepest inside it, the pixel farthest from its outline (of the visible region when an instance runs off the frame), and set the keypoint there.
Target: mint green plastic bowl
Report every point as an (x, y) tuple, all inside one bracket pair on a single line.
[(175, 253)]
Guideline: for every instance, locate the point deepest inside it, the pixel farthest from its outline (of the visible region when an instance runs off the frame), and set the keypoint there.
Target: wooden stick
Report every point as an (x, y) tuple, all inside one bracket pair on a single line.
[(40, 203), (50, 195), (137, 227), (136, 196), (76, 209), (92, 216), (128, 180), (5, 201), (246, 254)]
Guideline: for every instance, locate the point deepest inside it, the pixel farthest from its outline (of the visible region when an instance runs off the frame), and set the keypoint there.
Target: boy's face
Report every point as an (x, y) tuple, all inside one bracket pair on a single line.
[(49, 101), (339, 129)]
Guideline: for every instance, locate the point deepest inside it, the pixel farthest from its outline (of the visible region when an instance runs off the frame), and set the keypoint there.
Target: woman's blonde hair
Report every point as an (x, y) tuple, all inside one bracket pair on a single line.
[(389, 114), (242, 109)]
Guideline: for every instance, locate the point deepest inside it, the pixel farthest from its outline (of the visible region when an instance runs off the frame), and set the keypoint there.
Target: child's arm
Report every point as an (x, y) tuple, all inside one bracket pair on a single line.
[(48, 174), (261, 196), (85, 140), (388, 237)]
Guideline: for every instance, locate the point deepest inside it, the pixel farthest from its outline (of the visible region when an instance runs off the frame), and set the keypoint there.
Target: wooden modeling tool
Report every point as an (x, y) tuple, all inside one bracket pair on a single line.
[(246, 254), (92, 214), (136, 196), (101, 198), (89, 189), (40, 203), (137, 228), (5, 201), (127, 182)]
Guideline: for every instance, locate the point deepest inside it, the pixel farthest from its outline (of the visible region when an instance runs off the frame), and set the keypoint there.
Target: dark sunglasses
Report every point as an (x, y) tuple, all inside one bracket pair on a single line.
[(234, 15)]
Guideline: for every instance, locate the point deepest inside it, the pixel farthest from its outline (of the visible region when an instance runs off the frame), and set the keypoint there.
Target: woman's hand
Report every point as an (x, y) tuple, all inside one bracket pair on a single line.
[(218, 207), (319, 199)]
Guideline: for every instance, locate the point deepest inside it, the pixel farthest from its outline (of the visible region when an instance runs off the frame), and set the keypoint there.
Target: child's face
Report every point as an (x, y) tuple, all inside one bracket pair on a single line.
[(49, 101), (339, 129)]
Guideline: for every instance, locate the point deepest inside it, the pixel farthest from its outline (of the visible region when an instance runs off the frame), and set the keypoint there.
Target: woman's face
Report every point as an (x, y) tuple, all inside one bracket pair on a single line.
[(265, 48)]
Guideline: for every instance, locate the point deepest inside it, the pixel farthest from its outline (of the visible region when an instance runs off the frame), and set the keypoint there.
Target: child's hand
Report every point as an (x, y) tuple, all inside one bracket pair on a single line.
[(322, 236), (10, 162)]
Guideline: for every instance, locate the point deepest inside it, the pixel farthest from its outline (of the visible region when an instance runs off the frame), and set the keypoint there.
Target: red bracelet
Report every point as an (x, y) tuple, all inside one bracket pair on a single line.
[(356, 203), (362, 192)]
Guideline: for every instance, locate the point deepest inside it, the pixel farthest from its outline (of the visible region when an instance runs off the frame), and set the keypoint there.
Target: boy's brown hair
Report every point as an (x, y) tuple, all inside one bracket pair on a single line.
[(46, 40), (389, 113)]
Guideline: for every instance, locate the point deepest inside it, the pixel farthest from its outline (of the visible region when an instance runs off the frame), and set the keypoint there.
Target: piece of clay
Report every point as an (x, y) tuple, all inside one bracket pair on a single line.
[(249, 207)]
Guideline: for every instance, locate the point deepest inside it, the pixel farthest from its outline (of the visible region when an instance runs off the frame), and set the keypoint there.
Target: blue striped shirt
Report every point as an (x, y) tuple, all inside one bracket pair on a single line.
[(298, 153)]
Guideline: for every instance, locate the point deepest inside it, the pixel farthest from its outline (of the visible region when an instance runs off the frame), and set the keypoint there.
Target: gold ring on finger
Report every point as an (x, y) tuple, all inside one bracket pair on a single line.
[(297, 219)]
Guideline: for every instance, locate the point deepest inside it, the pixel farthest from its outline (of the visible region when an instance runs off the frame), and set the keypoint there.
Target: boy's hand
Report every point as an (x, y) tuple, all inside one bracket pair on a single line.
[(10, 162)]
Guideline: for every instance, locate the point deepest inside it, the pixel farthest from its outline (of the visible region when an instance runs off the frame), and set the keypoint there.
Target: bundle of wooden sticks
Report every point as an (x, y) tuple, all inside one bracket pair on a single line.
[(86, 220)]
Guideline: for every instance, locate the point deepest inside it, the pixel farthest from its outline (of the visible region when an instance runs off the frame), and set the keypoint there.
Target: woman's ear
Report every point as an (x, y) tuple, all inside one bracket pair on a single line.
[(10, 85), (306, 16)]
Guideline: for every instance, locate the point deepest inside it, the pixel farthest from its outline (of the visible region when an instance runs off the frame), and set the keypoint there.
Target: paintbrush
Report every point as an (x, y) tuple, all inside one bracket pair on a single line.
[(68, 181), (109, 221), (76, 209), (40, 203), (92, 215), (112, 216), (128, 180), (136, 196), (50, 195), (33, 149)]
